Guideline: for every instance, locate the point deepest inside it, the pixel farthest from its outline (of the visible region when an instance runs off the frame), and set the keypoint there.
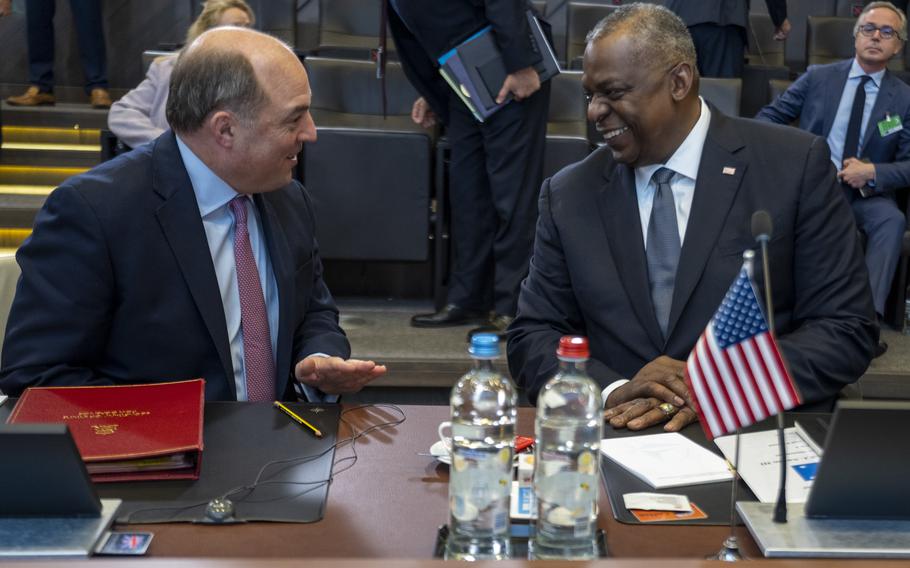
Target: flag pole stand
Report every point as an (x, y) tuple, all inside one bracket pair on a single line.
[(729, 550)]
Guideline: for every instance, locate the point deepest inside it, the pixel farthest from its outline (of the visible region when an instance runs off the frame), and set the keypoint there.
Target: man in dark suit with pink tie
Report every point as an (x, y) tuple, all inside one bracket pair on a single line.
[(194, 255)]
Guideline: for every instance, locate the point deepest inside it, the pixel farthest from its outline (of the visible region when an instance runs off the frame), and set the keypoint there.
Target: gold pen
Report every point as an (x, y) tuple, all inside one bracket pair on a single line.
[(297, 419)]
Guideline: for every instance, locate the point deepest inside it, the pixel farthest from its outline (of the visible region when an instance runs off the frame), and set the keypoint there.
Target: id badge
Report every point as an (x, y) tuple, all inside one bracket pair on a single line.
[(890, 125)]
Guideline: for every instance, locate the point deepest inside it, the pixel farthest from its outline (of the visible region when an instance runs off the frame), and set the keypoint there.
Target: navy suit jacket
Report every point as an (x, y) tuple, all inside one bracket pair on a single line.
[(589, 274), (118, 284), (814, 98)]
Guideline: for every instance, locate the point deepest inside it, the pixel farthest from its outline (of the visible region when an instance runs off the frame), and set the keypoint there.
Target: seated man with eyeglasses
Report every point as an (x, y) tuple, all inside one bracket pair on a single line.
[(862, 109)]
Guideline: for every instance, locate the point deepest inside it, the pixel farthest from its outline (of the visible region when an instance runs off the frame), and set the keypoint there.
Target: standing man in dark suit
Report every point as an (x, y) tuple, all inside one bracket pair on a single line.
[(861, 109), (638, 243), (719, 31), (496, 166), (193, 256)]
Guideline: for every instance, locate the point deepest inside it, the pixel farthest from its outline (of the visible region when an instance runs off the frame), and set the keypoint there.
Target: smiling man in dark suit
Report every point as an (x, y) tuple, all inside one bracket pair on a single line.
[(862, 109), (637, 244), (193, 256)]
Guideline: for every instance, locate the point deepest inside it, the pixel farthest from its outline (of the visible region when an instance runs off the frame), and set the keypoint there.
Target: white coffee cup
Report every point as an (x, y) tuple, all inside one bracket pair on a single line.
[(445, 439)]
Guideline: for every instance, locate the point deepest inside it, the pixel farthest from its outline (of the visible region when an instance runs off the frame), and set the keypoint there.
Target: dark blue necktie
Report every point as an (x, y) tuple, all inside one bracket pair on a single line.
[(663, 247), (851, 140)]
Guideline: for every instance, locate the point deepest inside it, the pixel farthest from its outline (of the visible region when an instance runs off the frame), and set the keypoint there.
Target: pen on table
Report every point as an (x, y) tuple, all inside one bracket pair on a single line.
[(297, 419)]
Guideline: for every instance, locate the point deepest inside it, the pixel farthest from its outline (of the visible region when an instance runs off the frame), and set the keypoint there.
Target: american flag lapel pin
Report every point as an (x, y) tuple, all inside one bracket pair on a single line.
[(728, 171)]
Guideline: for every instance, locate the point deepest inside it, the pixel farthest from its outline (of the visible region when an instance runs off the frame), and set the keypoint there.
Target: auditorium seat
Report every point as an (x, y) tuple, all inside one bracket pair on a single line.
[(723, 93), (369, 176), (763, 48), (582, 18), (848, 8), (9, 276), (349, 29), (777, 87), (898, 295), (766, 60), (830, 39), (567, 124)]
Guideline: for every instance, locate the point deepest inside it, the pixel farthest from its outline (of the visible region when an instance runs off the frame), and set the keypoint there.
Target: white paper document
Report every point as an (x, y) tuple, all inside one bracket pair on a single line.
[(666, 460), (657, 502), (759, 463)]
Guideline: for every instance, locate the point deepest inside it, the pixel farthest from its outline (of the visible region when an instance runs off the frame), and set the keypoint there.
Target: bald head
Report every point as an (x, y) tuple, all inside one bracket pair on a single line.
[(221, 70)]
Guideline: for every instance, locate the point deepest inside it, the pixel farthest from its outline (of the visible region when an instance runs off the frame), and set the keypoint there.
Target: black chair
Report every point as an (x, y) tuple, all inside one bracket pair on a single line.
[(723, 93), (777, 87), (766, 60), (896, 304), (763, 48), (567, 136), (582, 18), (111, 146), (830, 39), (848, 8), (150, 55), (349, 29), (369, 177)]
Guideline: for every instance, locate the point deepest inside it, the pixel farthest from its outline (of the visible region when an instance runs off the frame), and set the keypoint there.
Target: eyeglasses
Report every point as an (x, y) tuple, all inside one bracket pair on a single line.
[(887, 32)]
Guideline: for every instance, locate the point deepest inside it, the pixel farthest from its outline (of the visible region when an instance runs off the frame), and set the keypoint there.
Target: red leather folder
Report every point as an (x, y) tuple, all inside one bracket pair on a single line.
[(126, 433)]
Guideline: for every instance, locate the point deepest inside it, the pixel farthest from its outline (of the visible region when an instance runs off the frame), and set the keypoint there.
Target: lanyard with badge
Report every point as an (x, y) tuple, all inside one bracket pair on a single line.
[(890, 125)]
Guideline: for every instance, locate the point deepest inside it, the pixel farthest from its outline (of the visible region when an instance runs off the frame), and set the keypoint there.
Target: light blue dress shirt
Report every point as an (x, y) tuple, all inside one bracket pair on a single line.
[(213, 195), (842, 118), (685, 162)]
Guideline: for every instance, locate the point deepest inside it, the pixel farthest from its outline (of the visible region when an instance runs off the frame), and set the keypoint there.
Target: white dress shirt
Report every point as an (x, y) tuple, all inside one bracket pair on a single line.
[(685, 162)]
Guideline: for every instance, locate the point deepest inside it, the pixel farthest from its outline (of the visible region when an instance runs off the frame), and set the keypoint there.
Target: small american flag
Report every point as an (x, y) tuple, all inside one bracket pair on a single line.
[(735, 373)]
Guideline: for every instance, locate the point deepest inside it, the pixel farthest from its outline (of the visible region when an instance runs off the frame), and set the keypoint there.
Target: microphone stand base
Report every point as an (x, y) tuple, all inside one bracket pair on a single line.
[(729, 551)]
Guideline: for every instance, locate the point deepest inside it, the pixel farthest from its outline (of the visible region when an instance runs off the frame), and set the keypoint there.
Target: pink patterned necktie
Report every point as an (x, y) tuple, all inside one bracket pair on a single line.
[(257, 342)]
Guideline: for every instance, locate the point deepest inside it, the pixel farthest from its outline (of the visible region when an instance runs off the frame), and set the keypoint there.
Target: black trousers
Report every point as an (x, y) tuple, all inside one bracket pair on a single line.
[(39, 16), (720, 50), (495, 176)]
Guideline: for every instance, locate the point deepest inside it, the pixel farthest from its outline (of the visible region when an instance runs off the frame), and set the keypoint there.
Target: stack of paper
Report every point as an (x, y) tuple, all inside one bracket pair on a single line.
[(759, 463), (666, 460)]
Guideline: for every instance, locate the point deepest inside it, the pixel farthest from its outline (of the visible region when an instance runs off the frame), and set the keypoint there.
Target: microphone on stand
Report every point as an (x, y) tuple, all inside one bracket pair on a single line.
[(762, 228)]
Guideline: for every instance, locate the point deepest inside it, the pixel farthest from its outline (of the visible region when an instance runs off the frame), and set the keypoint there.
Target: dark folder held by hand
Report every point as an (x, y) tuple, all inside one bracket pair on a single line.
[(476, 70)]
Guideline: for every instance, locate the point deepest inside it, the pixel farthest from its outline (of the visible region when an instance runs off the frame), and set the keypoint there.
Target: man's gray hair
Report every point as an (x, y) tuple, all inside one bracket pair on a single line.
[(208, 80), (659, 35), (902, 32)]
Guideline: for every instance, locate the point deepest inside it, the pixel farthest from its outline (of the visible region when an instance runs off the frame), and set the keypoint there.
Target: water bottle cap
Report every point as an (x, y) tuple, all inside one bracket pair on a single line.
[(484, 345), (573, 347)]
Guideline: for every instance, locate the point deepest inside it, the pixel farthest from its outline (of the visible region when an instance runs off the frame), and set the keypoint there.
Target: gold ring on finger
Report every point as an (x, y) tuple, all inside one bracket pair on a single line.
[(668, 409)]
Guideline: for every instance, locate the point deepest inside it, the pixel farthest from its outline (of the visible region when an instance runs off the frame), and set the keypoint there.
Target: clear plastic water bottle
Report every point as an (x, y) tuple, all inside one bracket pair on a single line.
[(483, 438), (569, 427)]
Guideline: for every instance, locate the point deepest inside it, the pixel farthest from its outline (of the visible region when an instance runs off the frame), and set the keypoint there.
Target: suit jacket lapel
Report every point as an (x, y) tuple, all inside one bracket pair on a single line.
[(280, 256), (882, 103), (182, 226), (834, 89), (715, 191), (621, 220)]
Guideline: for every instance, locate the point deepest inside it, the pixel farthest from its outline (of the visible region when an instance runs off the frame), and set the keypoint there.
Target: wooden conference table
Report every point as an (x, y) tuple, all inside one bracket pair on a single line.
[(389, 506)]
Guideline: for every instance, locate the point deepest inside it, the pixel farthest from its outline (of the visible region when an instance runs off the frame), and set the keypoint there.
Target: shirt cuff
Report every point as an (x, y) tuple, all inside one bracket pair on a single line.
[(612, 387)]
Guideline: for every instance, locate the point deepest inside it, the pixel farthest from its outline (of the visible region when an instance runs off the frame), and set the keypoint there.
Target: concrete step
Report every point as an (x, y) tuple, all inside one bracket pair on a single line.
[(61, 115), (50, 155), (54, 138), (19, 175), (18, 211)]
